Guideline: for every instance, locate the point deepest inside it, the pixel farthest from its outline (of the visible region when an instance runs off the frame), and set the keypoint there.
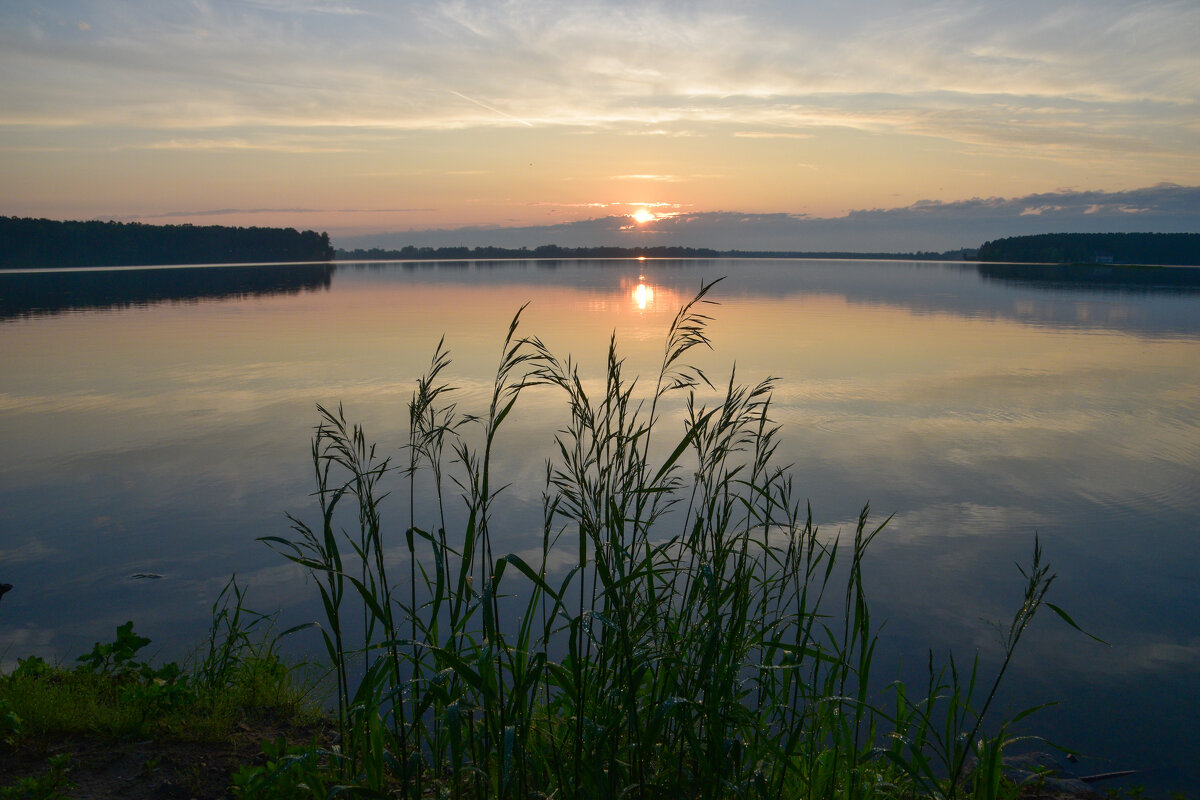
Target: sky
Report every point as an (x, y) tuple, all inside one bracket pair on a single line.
[(813, 124)]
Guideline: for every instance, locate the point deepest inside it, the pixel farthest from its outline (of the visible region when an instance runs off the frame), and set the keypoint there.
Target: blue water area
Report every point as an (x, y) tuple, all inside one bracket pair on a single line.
[(157, 422)]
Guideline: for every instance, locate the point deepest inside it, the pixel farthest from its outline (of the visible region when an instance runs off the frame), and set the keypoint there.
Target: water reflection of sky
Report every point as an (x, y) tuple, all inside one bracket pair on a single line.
[(163, 435)]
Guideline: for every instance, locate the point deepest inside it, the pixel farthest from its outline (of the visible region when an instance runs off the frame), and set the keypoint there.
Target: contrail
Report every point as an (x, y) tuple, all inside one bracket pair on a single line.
[(493, 109)]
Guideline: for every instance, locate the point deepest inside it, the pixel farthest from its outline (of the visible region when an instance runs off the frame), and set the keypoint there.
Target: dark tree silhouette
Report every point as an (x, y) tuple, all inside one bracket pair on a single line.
[(664, 251), (1097, 248), (51, 243)]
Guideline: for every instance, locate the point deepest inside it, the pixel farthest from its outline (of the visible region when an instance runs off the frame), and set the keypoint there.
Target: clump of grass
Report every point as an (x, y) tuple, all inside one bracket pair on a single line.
[(113, 691), (704, 641)]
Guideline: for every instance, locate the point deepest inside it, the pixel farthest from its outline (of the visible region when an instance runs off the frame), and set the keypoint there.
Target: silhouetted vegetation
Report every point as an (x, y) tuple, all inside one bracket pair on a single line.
[(31, 294), (1096, 248), (555, 251), (51, 243)]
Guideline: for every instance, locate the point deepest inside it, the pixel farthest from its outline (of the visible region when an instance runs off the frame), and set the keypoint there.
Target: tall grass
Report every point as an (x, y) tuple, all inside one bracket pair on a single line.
[(704, 641)]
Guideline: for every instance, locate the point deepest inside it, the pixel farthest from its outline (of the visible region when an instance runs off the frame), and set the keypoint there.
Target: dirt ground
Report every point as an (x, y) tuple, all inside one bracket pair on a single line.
[(166, 770), (138, 770)]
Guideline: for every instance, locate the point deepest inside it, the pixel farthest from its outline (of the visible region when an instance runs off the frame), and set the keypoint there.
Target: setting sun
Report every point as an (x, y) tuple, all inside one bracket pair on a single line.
[(642, 216)]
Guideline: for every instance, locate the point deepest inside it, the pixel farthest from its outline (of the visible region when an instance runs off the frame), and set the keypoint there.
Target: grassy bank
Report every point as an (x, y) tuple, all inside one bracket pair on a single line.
[(114, 724), (682, 629)]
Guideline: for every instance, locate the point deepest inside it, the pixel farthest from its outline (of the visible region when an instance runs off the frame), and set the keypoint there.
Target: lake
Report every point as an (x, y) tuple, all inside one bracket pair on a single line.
[(156, 421)]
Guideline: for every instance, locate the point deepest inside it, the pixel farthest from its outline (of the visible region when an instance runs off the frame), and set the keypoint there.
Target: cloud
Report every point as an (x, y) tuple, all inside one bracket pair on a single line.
[(307, 7), (647, 177), (492, 109), (925, 225), (771, 135), (230, 144), (993, 73)]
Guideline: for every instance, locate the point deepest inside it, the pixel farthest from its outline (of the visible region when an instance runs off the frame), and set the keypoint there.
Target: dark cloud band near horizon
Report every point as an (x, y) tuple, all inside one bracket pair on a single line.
[(922, 226)]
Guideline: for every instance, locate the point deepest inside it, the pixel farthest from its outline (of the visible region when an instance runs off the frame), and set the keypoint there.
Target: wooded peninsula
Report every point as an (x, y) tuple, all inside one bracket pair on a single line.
[(35, 243), (1174, 249)]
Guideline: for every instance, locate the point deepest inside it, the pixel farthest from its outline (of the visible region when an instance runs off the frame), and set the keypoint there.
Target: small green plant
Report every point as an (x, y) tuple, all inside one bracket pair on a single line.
[(50, 785), (287, 773), (157, 691), (31, 667), (148, 690), (232, 637), (116, 657), (10, 723)]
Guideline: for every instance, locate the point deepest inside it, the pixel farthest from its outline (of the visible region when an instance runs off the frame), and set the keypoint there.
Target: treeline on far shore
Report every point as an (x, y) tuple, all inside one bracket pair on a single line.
[(26, 242), (1175, 249), (555, 251)]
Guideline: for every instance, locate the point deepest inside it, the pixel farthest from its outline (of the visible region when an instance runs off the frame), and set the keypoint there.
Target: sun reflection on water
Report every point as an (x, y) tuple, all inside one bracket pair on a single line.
[(643, 295)]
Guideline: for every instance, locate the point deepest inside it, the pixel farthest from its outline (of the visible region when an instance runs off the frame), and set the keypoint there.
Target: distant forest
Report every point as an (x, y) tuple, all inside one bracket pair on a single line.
[(1097, 248), (51, 243), (554, 251)]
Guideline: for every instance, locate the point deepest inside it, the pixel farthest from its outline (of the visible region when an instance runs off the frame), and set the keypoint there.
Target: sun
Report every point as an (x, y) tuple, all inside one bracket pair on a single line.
[(642, 216)]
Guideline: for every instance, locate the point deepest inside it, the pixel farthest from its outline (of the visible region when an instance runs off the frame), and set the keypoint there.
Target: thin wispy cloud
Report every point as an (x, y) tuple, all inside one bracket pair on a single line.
[(243, 144), (302, 7), (573, 205), (771, 135), (491, 108), (648, 177)]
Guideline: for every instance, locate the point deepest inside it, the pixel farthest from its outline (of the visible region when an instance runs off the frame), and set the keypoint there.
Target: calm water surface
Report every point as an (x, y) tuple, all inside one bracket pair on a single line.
[(155, 422)]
